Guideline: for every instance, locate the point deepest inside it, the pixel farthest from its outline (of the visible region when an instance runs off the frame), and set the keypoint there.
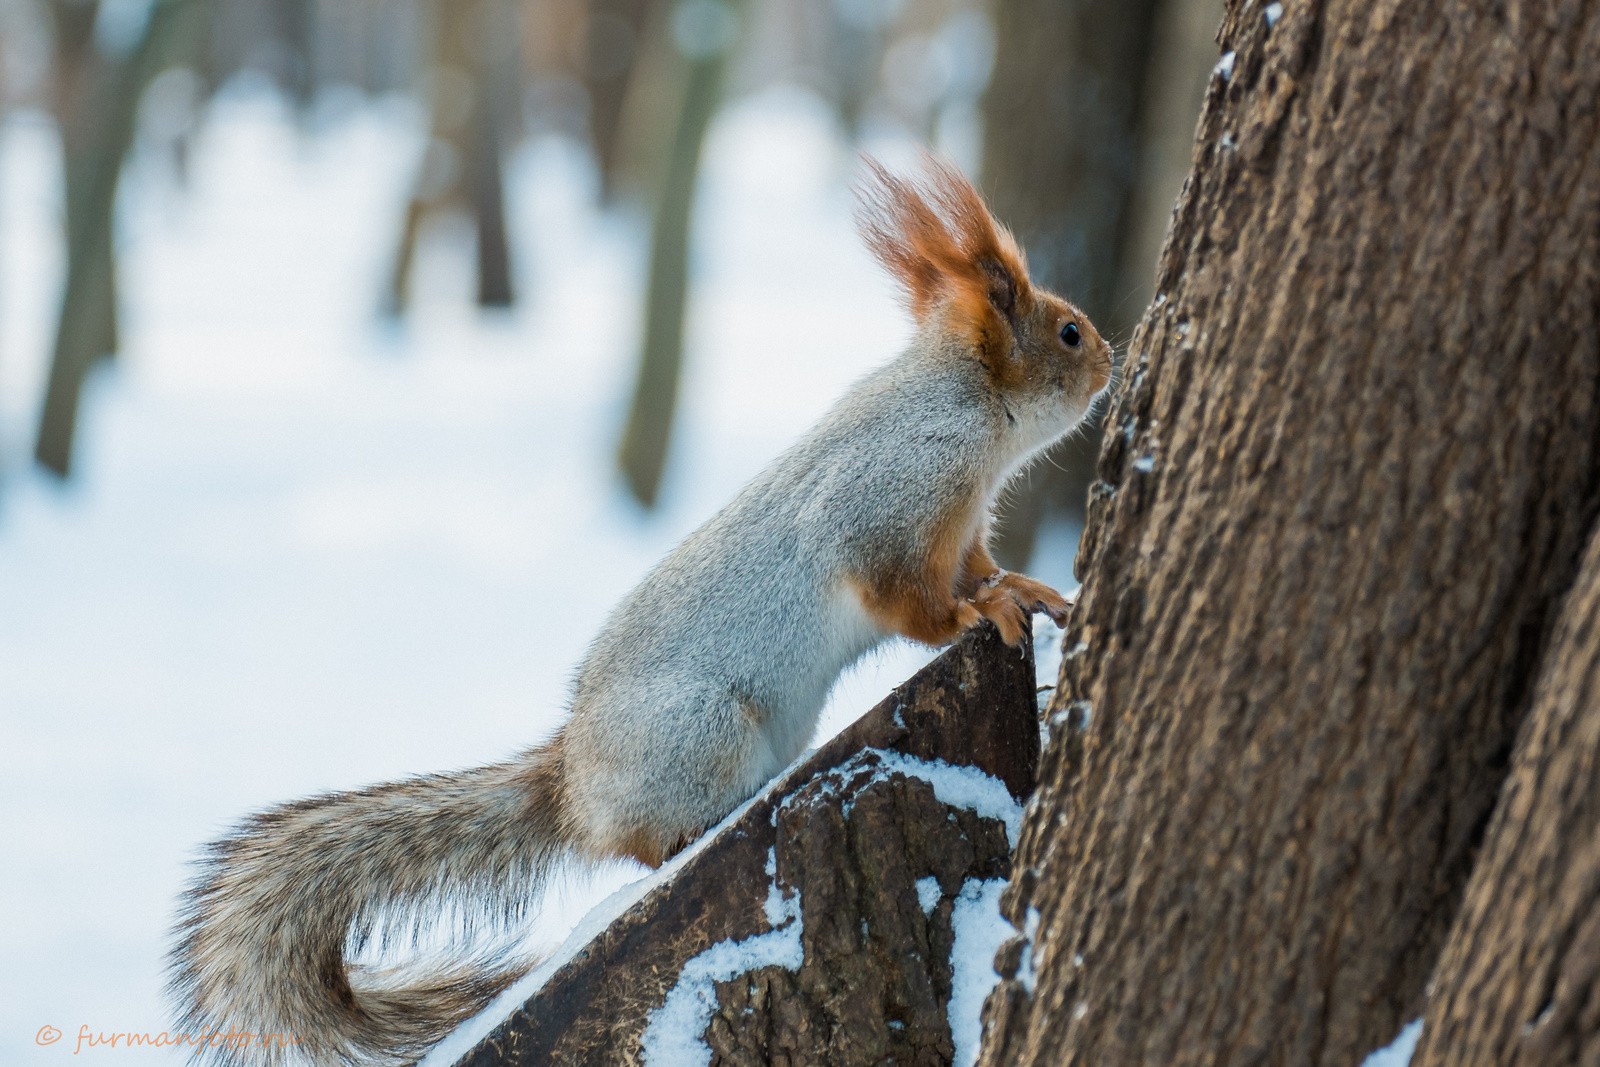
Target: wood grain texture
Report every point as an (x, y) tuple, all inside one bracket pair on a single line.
[(1344, 487)]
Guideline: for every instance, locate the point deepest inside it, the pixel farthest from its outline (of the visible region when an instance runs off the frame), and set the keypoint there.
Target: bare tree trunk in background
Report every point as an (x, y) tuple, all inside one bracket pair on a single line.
[(296, 24), (1175, 85), (472, 89), (487, 191), (615, 37), (1062, 157), (856, 40), (703, 43), (495, 61), (1345, 488), (97, 106), (80, 72), (1519, 982)]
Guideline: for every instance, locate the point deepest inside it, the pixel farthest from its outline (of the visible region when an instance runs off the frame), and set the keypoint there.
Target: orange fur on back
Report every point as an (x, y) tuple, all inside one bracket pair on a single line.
[(940, 242)]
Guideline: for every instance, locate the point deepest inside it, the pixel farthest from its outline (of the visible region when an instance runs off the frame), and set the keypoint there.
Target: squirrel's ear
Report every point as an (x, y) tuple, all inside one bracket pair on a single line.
[(899, 225), (1003, 287), (940, 243)]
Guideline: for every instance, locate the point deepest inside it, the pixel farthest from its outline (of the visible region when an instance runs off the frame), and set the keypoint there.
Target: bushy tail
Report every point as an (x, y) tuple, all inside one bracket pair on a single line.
[(263, 932)]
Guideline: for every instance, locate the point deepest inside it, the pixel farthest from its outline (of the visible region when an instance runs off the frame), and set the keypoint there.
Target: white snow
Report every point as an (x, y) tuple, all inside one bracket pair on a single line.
[(1224, 67), (1025, 966), (979, 931), (675, 1033), (777, 902), (928, 893), (1046, 657), (1398, 1052), (1273, 13), (960, 787)]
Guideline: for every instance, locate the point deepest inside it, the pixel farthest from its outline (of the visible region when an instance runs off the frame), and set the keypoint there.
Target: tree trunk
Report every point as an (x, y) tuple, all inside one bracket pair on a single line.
[(1519, 982), (473, 72), (97, 106), (1175, 84), (79, 100), (613, 42), (1344, 487), (494, 60), (703, 45), (1062, 151), (295, 23)]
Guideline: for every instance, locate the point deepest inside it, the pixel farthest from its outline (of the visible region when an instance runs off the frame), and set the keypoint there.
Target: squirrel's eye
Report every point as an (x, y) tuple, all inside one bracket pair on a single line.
[(1070, 335)]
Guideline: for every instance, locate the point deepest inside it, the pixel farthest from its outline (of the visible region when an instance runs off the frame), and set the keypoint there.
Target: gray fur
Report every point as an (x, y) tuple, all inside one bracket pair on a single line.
[(752, 606)]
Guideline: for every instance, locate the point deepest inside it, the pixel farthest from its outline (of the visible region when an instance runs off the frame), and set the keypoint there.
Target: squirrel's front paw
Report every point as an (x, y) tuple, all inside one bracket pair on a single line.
[(997, 604), (1030, 595)]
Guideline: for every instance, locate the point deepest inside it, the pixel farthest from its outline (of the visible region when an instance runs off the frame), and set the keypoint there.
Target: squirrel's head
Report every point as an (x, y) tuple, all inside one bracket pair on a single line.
[(964, 275)]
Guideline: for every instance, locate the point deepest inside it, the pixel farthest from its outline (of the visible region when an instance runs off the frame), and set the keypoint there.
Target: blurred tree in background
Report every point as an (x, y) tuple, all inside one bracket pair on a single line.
[(1084, 111), (100, 75), (471, 91), (699, 37), (1087, 132)]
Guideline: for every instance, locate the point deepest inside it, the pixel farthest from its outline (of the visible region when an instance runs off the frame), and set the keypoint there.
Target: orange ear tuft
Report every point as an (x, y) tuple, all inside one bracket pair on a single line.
[(941, 244)]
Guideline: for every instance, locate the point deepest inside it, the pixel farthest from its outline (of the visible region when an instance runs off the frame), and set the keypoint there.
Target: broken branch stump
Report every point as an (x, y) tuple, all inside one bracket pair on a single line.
[(817, 925)]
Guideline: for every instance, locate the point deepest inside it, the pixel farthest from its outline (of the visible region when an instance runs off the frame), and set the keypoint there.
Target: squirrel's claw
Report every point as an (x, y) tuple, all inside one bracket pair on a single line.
[(1000, 606), (1029, 594), (1060, 612)]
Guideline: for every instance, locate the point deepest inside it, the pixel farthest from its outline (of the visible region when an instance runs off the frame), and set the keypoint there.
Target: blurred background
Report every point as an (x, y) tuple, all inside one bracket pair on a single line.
[(356, 356)]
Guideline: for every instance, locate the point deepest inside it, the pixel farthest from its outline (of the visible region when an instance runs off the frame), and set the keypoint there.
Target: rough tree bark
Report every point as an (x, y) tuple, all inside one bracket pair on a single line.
[(1343, 489), (867, 978), (1519, 982)]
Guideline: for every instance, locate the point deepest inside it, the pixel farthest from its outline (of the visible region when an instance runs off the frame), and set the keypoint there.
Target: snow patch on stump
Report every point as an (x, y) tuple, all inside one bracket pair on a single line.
[(676, 1033), (979, 931)]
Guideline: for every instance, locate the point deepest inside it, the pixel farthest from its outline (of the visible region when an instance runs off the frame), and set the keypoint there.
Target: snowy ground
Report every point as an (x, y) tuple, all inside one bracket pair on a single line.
[(308, 552)]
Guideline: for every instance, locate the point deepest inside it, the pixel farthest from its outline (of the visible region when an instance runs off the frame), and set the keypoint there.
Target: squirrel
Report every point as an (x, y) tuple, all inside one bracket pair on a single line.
[(703, 684)]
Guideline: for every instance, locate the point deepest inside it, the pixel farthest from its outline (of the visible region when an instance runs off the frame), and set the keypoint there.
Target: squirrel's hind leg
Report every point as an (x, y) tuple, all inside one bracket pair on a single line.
[(650, 802), (647, 848)]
